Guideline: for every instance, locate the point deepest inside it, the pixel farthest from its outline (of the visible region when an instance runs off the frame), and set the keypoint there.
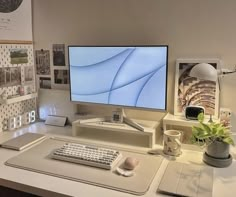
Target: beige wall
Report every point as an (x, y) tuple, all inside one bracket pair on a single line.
[(192, 29)]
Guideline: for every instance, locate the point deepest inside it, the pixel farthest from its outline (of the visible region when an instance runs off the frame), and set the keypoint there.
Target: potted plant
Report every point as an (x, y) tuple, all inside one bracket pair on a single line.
[(216, 138)]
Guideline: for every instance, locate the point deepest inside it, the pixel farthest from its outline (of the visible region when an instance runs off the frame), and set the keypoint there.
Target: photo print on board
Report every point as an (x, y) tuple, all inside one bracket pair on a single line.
[(61, 76), (15, 76), (10, 76), (19, 56), (45, 82), (42, 62), (58, 54), (28, 73)]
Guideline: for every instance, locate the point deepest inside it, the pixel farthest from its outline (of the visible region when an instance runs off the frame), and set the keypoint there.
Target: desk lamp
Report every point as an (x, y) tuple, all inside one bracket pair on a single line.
[(206, 71)]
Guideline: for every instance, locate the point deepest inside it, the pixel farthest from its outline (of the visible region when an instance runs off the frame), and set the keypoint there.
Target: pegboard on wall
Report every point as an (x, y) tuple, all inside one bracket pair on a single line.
[(11, 87)]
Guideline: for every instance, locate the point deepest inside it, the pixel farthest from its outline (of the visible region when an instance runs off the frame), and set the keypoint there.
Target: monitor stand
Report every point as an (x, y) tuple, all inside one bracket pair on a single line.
[(118, 118), (123, 118), (133, 124)]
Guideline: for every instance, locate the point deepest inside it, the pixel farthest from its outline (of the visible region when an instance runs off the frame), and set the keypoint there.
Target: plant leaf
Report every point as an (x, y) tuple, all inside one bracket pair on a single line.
[(228, 140), (200, 117), (206, 127)]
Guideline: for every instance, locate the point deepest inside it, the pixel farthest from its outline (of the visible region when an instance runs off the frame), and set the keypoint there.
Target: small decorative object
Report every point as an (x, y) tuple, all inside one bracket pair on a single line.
[(216, 138), (171, 141), (117, 116), (191, 112), (21, 91), (225, 116)]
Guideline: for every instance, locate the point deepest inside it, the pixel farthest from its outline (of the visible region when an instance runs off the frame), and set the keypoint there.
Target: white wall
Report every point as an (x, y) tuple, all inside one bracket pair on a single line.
[(192, 29)]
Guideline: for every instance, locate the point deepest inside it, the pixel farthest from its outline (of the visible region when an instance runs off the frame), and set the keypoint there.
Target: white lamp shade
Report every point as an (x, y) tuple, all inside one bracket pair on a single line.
[(204, 71)]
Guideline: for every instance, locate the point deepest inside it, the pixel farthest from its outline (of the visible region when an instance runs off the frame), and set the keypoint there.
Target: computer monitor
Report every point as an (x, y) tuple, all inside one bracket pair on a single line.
[(124, 76)]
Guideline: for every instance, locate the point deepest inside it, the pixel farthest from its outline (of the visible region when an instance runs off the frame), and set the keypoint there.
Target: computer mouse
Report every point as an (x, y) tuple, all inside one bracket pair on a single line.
[(130, 163)]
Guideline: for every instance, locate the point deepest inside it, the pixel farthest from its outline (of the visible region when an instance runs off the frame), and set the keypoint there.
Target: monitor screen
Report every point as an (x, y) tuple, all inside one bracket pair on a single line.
[(126, 76)]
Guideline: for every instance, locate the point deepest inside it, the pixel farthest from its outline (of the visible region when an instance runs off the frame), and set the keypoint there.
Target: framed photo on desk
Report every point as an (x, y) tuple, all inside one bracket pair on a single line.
[(192, 91)]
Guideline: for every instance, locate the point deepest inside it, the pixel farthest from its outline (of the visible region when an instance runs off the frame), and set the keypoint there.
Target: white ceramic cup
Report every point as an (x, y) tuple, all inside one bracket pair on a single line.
[(171, 142)]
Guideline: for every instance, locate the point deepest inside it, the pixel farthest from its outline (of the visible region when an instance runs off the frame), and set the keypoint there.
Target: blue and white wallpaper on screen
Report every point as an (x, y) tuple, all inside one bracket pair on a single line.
[(126, 76)]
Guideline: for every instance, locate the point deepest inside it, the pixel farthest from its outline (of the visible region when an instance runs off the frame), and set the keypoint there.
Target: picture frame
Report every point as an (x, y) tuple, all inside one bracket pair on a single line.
[(42, 59), (28, 74), (192, 91), (58, 52), (16, 21), (60, 79), (10, 76), (19, 56)]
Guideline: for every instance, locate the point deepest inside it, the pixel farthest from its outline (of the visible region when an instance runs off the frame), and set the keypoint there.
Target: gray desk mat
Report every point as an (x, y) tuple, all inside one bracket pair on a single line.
[(38, 159)]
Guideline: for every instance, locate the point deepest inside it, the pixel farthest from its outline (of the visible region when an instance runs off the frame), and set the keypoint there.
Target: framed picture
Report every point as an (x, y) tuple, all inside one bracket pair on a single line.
[(29, 74), (45, 83), (15, 21), (60, 79), (58, 54), (61, 76), (10, 76), (19, 56), (42, 59), (192, 91)]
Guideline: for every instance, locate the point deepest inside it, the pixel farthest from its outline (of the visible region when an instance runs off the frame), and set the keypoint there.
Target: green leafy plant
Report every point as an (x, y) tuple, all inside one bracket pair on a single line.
[(207, 133)]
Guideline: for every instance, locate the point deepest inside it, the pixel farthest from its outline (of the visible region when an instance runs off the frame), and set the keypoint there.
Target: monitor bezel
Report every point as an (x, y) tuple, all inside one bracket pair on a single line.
[(122, 106)]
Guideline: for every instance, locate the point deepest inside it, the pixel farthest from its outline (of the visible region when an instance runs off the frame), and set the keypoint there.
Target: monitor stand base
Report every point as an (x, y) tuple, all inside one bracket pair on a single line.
[(133, 124), (118, 118), (130, 122)]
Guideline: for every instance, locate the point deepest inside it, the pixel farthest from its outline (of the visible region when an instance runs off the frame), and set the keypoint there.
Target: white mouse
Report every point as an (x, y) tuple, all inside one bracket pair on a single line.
[(130, 163)]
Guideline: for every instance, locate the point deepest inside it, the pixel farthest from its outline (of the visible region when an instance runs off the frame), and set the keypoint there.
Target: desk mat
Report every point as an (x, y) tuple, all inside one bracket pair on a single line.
[(38, 159)]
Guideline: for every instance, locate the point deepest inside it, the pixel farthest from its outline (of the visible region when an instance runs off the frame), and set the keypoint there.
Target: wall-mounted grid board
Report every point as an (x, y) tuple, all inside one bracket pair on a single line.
[(18, 108)]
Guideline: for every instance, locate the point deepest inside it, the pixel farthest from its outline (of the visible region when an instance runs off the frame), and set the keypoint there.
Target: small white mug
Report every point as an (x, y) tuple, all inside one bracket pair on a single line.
[(171, 142)]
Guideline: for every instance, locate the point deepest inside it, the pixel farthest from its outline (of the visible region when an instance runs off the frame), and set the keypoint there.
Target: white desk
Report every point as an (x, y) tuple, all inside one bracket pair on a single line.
[(45, 185)]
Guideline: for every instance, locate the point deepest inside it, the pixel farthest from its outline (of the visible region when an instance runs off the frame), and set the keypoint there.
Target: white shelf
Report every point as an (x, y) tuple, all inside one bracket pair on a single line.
[(171, 119), (94, 127), (18, 99)]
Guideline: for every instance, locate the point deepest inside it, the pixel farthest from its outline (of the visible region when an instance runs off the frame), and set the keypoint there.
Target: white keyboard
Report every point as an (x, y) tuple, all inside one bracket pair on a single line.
[(87, 155)]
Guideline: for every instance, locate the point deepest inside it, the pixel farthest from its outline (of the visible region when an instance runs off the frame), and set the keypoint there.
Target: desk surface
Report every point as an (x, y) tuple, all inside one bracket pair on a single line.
[(45, 185)]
